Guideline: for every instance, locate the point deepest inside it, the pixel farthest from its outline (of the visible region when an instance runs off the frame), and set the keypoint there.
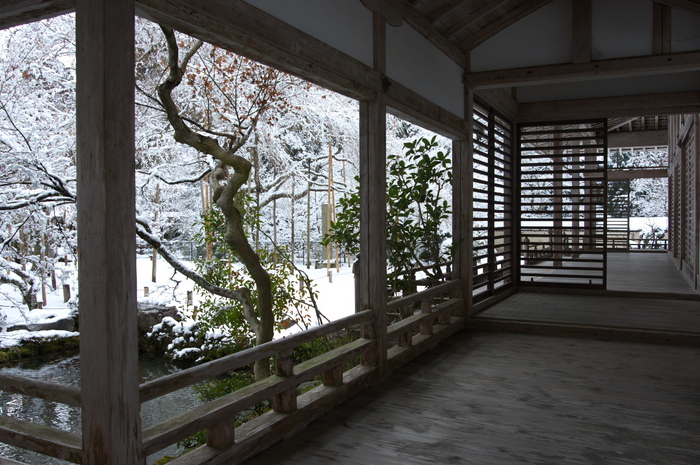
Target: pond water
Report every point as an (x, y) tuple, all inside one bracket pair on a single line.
[(65, 369)]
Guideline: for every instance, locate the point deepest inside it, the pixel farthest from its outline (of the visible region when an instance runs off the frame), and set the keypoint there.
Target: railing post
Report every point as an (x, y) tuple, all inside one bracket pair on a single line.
[(333, 377), (285, 402), (426, 329), (222, 434)]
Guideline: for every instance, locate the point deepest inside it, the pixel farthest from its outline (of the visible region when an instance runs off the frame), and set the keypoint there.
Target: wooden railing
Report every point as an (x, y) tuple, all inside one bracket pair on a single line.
[(343, 371)]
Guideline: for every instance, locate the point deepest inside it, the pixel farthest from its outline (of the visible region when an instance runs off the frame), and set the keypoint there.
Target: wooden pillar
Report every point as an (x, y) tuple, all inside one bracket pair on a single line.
[(372, 273), (463, 206), (111, 422)]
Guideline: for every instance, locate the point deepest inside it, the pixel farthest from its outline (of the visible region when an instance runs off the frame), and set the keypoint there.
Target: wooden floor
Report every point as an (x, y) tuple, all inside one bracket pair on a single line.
[(647, 272), (499, 398), (648, 300)]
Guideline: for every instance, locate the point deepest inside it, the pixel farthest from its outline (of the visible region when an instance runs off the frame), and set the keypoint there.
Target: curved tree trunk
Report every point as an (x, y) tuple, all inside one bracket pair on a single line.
[(262, 323)]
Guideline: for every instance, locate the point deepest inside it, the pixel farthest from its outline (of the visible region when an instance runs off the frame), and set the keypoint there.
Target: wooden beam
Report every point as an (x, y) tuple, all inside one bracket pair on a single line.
[(385, 10), (109, 365), (610, 107), (445, 9), (582, 31), (637, 139), (427, 30), (662, 29), (501, 100), (406, 104), (241, 28), (691, 6), (474, 16), (513, 16), (16, 12), (624, 175), (547, 74), (248, 31)]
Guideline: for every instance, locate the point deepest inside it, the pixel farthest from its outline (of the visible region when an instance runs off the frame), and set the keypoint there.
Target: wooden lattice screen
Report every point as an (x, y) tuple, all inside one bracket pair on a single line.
[(562, 204), (493, 203)]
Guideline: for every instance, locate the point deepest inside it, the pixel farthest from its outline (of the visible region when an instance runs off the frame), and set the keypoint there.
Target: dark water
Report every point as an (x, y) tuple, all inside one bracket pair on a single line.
[(66, 370)]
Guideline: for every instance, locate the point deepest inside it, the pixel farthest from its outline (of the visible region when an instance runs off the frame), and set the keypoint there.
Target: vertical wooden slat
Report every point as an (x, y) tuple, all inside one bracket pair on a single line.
[(111, 422), (582, 31), (463, 208), (373, 205)]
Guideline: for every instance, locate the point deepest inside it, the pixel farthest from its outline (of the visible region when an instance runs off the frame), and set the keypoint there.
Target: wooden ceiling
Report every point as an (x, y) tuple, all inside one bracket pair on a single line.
[(467, 23)]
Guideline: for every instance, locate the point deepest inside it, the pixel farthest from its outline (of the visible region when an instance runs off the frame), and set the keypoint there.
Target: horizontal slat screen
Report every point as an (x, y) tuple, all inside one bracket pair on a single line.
[(493, 203), (562, 204)]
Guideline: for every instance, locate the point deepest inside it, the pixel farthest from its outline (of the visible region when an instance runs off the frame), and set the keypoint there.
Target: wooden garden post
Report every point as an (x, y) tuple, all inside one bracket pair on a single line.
[(111, 422)]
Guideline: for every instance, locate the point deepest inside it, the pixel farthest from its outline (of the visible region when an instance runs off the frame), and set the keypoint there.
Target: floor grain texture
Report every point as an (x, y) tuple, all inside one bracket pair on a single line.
[(499, 398)]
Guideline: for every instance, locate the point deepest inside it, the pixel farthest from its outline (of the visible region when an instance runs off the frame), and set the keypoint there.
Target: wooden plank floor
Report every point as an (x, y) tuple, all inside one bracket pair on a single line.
[(626, 312), (499, 398), (646, 272)]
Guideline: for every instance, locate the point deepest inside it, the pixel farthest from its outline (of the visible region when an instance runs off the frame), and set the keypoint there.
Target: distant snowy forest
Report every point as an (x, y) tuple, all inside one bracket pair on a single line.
[(301, 141)]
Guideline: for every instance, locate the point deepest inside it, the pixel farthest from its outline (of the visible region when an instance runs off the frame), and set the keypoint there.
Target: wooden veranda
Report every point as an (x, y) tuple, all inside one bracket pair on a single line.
[(503, 398), (532, 94)]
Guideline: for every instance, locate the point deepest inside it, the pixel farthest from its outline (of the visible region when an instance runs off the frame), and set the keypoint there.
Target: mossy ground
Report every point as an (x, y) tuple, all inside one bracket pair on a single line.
[(35, 347)]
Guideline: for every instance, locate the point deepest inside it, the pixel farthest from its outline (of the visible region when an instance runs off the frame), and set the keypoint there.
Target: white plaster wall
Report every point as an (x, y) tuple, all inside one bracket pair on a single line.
[(678, 82), (622, 28), (541, 38), (417, 64), (685, 32), (343, 24)]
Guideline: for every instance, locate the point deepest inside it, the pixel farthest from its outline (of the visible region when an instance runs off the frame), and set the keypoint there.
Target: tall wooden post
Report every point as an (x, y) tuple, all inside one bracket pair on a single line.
[(463, 207), (372, 273), (111, 422)]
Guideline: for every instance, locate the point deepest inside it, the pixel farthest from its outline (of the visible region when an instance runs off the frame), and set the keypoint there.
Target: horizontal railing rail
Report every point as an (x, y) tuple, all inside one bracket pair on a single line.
[(176, 381), (35, 437), (433, 314), (60, 393), (217, 416)]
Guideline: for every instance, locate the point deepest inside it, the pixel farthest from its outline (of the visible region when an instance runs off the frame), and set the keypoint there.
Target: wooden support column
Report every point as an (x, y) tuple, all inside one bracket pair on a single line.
[(662, 29), (582, 32), (111, 423), (372, 276), (463, 207)]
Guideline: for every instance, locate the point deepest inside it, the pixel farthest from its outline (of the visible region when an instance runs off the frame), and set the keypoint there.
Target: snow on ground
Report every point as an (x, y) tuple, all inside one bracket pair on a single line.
[(335, 299)]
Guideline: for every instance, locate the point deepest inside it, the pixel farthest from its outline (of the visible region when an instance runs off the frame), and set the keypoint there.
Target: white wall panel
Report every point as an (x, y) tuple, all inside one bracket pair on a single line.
[(622, 28), (417, 64), (685, 31), (541, 38), (343, 24)]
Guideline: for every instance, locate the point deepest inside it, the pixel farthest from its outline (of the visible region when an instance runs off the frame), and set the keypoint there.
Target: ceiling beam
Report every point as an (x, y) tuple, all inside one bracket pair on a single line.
[(473, 17), (444, 9), (654, 138), (691, 6), (513, 16), (16, 12), (386, 11), (427, 30), (636, 66), (673, 103)]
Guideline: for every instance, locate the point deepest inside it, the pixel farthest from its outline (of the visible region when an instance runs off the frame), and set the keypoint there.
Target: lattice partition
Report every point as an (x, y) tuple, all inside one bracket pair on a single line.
[(562, 204), (493, 203)]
